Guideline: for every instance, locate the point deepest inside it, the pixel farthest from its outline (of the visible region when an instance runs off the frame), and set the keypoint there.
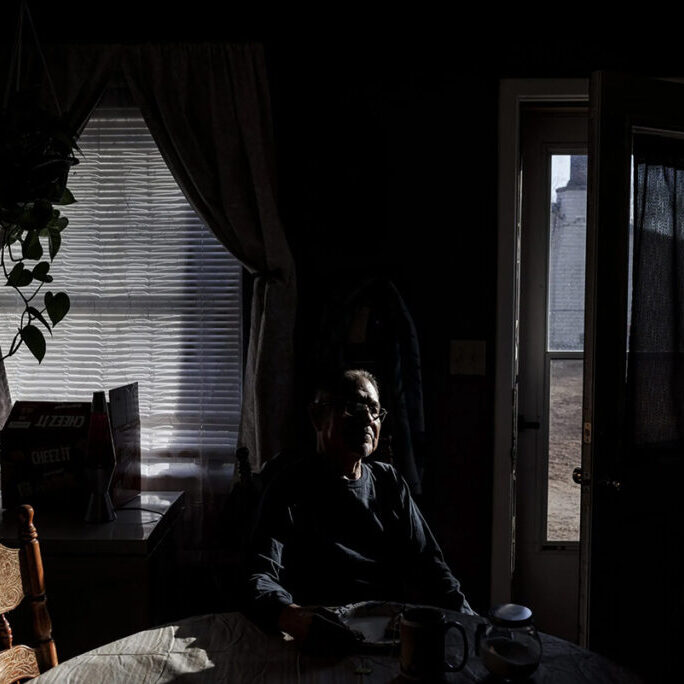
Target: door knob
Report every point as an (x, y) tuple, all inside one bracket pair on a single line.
[(577, 476)]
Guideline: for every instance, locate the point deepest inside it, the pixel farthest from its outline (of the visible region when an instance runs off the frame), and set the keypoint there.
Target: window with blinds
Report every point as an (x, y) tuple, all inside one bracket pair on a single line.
[(155, 299)]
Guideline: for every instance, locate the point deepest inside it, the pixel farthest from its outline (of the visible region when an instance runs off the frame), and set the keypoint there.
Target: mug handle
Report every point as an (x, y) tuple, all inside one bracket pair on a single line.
[(451, 667)]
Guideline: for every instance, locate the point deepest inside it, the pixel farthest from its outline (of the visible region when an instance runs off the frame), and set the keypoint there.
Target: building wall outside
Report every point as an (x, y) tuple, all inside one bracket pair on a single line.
[(566, 267)]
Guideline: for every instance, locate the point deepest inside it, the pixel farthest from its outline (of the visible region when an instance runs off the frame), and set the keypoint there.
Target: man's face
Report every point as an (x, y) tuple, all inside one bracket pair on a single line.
[(342, 434)]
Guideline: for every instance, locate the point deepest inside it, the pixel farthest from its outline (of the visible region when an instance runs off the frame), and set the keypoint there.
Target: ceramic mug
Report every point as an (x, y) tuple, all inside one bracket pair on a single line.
[(423, 644)]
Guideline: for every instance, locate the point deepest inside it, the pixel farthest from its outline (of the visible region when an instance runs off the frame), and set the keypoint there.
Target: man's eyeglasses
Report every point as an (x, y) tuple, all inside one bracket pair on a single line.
[(355, 409)]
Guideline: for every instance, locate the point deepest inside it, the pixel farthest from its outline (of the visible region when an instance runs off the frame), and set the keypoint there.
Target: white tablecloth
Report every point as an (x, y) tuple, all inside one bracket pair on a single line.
[(229, 648)]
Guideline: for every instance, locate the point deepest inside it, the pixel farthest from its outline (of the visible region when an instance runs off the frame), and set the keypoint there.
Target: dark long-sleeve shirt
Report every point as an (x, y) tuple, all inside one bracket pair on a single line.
[(322, 539)]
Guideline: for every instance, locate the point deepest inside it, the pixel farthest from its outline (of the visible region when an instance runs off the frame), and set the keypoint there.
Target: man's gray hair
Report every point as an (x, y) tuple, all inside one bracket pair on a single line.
[(334, 384)]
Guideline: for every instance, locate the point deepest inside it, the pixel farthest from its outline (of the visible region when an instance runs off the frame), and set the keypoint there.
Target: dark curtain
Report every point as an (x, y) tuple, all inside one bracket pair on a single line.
[(208, 109)]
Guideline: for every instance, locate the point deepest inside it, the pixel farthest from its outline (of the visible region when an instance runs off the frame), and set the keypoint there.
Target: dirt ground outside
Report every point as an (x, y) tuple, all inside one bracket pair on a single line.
[(565, 449)]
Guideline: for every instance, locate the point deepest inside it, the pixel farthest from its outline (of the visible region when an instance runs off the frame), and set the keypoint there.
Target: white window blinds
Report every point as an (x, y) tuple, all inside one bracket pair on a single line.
[(155, 298)]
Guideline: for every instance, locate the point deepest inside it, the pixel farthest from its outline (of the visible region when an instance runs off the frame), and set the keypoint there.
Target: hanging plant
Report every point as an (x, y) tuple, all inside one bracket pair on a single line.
[(36, 153)]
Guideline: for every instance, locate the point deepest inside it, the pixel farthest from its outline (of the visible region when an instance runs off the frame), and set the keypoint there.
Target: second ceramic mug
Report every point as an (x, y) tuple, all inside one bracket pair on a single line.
[(423, 644)]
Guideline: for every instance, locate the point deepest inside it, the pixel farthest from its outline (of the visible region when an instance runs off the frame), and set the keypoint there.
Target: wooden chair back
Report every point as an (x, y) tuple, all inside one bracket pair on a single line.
[(21, 576)]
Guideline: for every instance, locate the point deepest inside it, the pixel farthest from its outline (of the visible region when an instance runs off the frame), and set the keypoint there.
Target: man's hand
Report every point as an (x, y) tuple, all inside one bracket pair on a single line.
[(296, 621), (317, 630)]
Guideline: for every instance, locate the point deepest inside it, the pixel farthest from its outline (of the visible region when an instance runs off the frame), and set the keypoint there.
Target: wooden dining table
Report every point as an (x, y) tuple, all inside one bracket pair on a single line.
[(227, 647)]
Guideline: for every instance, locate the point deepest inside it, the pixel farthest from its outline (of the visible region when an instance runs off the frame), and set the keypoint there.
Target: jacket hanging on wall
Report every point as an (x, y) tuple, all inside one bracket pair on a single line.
[(367, 325)]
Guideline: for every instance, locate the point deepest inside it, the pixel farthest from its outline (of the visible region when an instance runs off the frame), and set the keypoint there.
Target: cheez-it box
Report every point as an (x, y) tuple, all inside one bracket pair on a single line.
[(42, 454)]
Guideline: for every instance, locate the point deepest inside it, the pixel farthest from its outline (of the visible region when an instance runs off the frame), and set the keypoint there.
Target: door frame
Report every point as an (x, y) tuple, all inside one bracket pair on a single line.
[(513, 93)]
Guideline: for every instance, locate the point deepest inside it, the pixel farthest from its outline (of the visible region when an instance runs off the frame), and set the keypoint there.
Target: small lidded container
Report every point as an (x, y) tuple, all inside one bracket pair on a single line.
[(509, 645)]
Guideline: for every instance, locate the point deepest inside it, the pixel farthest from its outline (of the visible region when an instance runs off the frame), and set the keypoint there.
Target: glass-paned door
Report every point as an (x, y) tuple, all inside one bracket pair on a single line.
[(551, 343), (633, 456)]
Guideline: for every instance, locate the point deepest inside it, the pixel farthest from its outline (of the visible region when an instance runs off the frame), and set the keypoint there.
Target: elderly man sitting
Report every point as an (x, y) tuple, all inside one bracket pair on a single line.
[(336, 527)]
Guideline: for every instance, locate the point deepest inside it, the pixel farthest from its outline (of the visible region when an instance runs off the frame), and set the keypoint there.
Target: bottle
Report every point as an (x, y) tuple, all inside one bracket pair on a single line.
[(100, 462)]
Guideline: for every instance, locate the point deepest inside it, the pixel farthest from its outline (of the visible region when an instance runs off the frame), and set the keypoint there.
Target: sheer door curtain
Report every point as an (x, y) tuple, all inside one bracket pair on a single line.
[(656, 320)]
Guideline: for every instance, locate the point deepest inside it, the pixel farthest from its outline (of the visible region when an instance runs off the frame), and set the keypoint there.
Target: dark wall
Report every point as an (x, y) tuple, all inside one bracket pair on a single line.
[(387, 154)]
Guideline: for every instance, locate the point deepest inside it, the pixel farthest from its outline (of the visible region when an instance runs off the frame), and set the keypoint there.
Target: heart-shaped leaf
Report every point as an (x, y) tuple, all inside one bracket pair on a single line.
[(40, 272), (19, 276), (54, 241), (66, 198), (31, 247), (36, 314), (57, 306), (13, 276), (34, 340)]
